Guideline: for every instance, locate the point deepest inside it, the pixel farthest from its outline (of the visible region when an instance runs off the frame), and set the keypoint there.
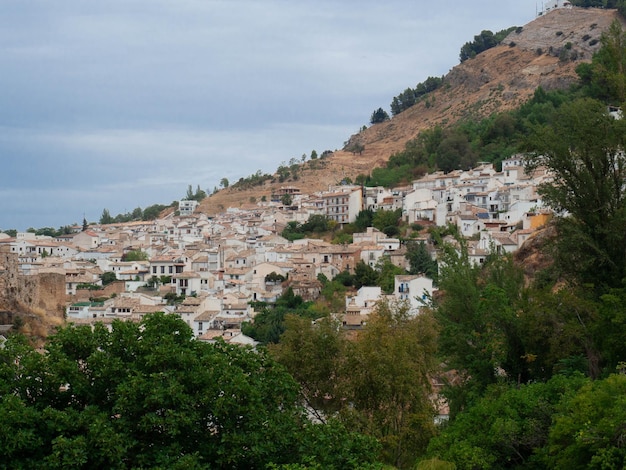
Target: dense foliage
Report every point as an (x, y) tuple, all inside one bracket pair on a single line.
[(315, 224), (583, 146), (256, 179), (532, 364), (410, 96), (269, 322), (620, 5), (483, 41), (148, 395), (149, 213), (379, 385)]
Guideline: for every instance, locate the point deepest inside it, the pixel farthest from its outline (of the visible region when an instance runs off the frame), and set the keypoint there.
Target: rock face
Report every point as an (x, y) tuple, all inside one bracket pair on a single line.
[(543, 53), (39, 300)]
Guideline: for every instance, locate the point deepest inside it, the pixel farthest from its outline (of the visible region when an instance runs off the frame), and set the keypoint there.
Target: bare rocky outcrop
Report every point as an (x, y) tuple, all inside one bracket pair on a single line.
[(38, 300)]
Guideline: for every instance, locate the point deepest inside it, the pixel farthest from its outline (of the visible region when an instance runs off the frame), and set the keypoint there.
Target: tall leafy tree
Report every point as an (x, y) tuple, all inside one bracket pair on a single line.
[(506, 428), (364, 275), (420, 260), (387, 271), (581, 332), (387, 384), (583, 148), (106, 218), (588, 430), (384, 219), (605, 77), (314, 353), (479, 327)]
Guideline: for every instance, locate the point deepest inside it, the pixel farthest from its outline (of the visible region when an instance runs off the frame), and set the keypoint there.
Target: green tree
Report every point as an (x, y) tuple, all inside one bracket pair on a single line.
[(189, 195), (378, 116), (577, 347), (106, 218), (286, 199), (605, 77), (274, 277), (313, 353), (269, 322), (480, 334), (137, 214), (317, 223), (588, 430), (485, 40), (387, 384), (224, 182), (198, 195), (108, 277), (135, 255), (507, 428), (583, 148), (364, 219), (153, 212), (455, 152), (293, 231), (147, 395), (364, 275), (334, 294), (420, 260), (387, 271), (383, 219)]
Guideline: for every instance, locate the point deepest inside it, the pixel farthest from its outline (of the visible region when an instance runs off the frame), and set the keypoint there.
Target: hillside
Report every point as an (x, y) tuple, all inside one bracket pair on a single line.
[(498, 79)]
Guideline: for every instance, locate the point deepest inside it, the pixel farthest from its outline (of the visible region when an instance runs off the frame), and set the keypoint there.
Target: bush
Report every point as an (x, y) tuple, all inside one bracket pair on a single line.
[(378, 116), (274, 277)]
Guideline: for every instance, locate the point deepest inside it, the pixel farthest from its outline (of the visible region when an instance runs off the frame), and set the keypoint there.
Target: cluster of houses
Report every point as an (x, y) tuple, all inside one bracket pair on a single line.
[(212, 270)]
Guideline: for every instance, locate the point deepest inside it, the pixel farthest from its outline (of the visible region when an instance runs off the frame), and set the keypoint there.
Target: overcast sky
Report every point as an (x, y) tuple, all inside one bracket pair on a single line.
[(123, 103)]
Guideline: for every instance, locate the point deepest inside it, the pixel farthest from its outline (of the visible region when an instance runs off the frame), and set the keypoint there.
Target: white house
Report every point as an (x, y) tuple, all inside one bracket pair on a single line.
[(187, 283), (419, 204), (187, 207), (415, 289), (343, 204), (365, 299)]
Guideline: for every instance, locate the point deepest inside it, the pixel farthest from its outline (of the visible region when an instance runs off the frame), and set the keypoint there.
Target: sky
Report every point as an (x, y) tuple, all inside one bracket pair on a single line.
[(121, 104)]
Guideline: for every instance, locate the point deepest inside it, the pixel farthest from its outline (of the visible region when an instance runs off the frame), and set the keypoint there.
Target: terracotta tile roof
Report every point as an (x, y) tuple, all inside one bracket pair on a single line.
[(207, 315)]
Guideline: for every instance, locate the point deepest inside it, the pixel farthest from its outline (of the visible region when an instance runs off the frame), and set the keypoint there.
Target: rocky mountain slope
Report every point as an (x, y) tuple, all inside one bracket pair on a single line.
[(544, 53)]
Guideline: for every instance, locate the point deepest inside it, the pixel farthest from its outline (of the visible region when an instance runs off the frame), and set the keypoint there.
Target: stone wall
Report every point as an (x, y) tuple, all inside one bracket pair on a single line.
[(38, 299)]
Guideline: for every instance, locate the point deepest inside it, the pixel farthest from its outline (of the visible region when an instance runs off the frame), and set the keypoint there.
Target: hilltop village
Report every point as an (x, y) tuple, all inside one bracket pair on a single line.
[(211, 270)]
